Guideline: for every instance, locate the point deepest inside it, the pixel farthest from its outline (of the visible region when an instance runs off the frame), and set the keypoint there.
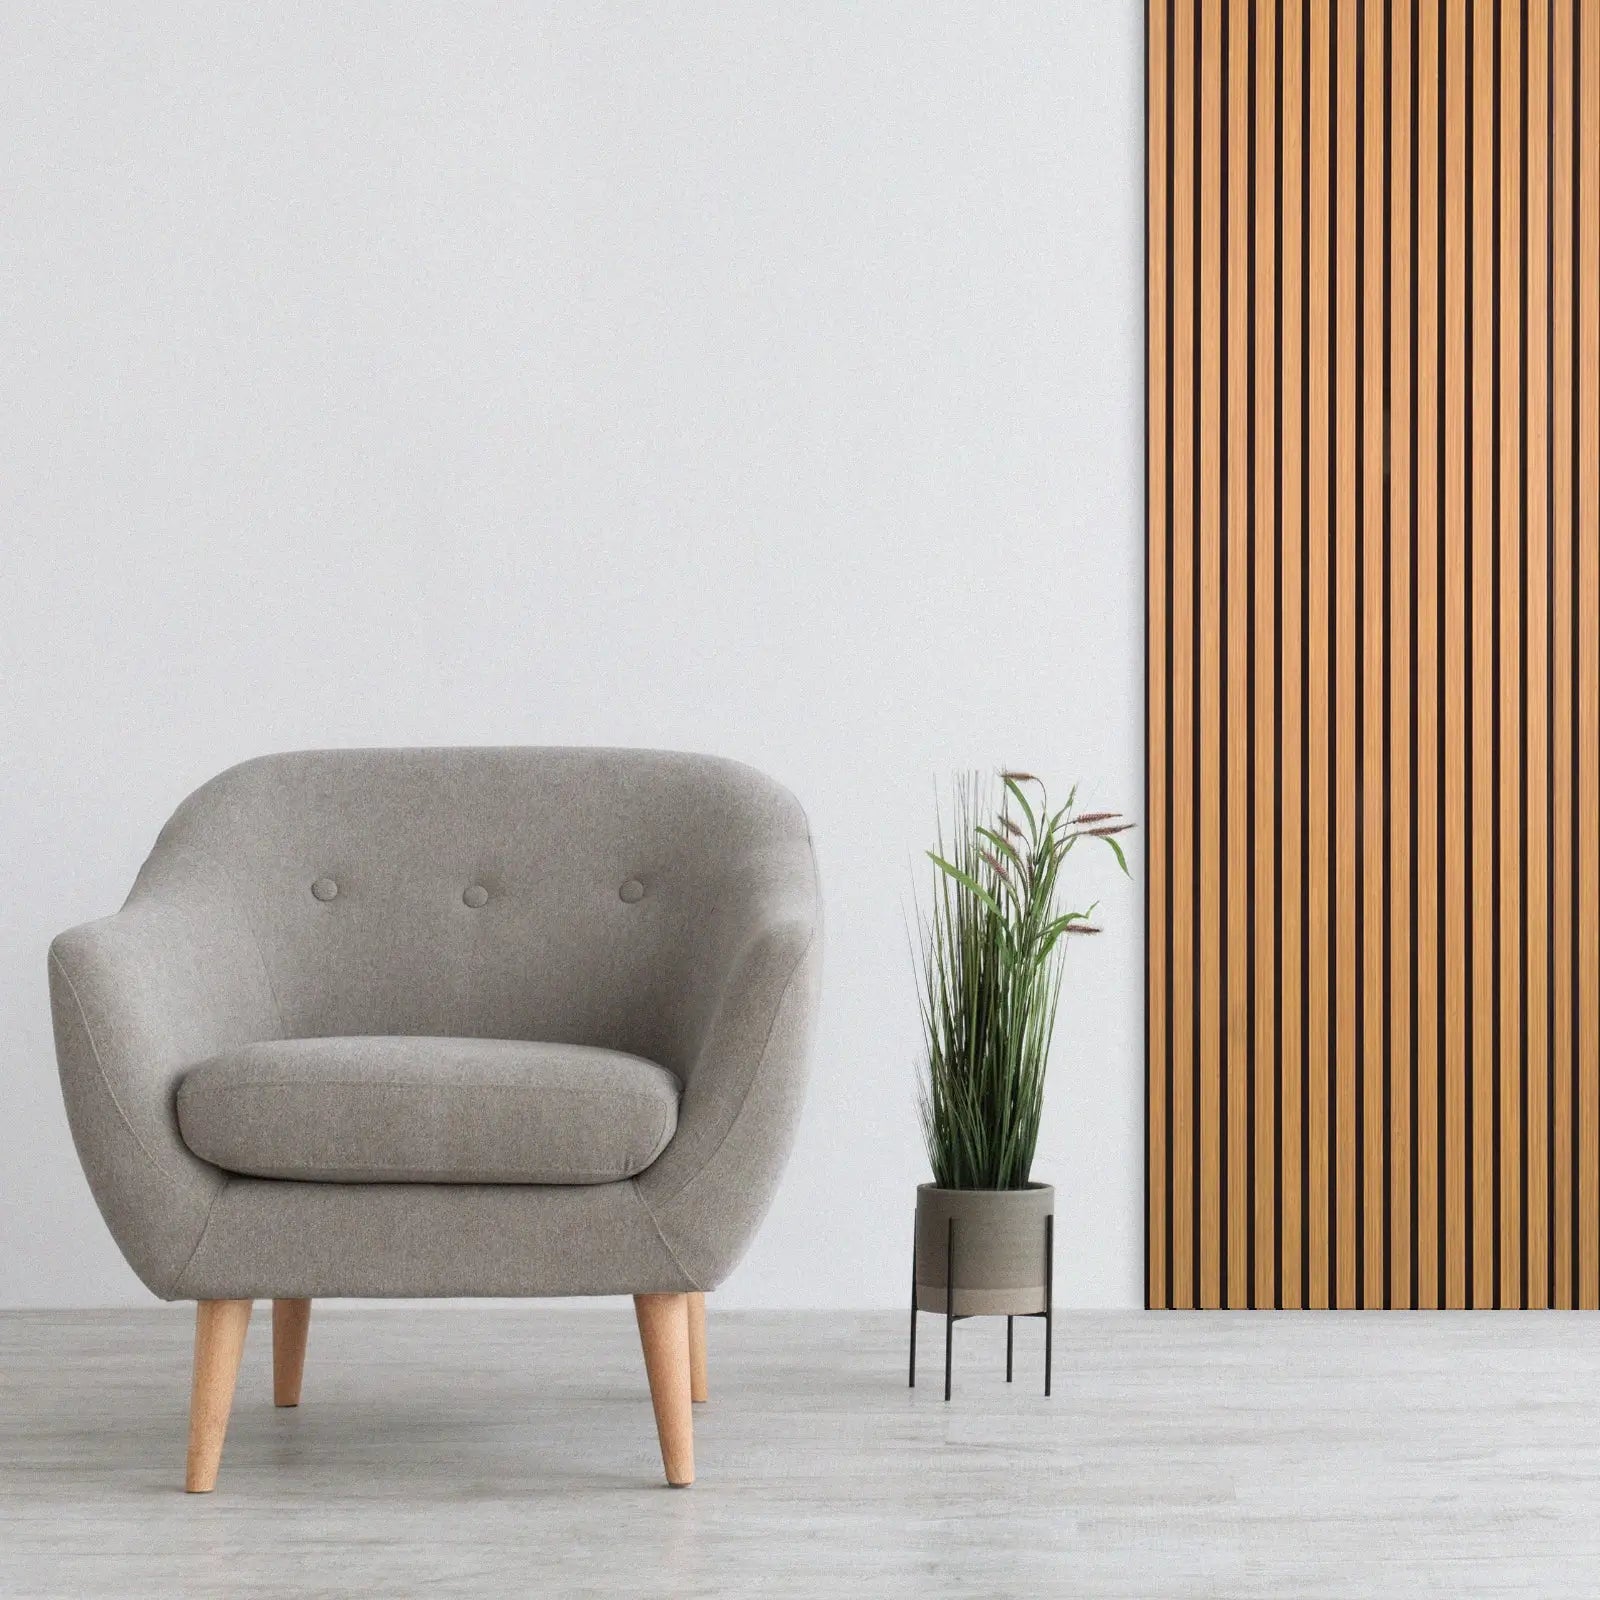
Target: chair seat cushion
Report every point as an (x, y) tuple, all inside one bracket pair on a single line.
[(428, 1110)]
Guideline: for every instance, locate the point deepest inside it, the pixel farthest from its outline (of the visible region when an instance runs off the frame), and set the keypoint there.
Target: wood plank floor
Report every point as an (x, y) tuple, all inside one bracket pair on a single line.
[(510, 1450)]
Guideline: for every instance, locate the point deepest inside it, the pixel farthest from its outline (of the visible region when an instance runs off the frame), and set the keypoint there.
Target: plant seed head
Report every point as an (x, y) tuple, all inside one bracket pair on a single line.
[(995, 862)]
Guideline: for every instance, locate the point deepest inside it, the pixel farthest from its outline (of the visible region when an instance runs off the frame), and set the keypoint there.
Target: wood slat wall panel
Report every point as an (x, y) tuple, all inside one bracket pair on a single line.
[(1374, 661)]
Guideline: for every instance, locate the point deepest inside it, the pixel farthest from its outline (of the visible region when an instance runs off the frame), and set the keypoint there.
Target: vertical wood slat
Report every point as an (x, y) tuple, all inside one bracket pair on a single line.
[(1180, 705), (1587, 534), (1427, 653), (1236, 1055), (1536, 644), (1402, 1058), (1480, 533), (1264, 673), (1344, 445), (1290, 910), (1318, 593), (1456, 732), (1510, 599), (1209, 921), (1454, 765), (1562, 768), (1372, 858), (1374, 685)]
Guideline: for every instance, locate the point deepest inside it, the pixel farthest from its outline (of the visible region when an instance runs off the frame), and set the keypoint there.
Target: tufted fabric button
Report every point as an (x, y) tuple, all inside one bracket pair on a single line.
[(475, 895), (632, 891), (325, 889)]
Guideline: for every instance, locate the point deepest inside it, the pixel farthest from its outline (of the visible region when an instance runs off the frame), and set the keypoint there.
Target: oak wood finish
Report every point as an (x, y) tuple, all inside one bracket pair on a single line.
[(291, 1321), (1423, 899), (1261, 1000), (1401, 1175), (1289, 690), (219, 1331), (1537, 901), (664, 1333), (1562, 397), (699, 1392), (1374, 653), (1587, 453), (1369, 907)]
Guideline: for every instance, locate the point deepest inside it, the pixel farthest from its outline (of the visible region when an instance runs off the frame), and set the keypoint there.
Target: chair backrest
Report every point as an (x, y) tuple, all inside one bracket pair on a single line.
[(510, 893)]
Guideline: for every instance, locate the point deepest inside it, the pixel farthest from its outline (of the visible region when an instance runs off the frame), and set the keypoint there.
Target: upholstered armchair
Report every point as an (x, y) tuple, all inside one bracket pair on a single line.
[(446, 1023)]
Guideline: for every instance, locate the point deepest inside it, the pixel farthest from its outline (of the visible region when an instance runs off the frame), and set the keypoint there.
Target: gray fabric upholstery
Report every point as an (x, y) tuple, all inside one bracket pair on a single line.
[(659, 905), (408, 1109)]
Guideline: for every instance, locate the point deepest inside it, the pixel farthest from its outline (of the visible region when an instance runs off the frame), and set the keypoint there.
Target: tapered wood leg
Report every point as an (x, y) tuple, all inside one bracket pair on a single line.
[(664, 1333), (291, 1320), (219, 1329), (697, 1349)]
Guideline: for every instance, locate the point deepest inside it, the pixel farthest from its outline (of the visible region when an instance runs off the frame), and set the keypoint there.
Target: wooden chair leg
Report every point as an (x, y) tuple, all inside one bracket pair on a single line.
[(219, 1330), (664, 1334), (697, 1348), (291, 1320)]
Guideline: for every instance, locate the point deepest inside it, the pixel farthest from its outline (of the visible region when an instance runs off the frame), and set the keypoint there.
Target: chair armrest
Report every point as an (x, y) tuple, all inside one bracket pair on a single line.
[(172, 978), (748, 1030)]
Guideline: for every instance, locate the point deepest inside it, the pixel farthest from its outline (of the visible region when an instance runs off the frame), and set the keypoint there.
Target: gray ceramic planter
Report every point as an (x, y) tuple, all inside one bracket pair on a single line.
[(1000, 1249)]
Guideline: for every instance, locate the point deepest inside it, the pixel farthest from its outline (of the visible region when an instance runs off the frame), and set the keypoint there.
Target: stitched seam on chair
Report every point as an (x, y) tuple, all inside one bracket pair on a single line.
[(733, 1122), (99, 1066), (515, 1180), (243, 907), (633, 1183), (205, 1228)]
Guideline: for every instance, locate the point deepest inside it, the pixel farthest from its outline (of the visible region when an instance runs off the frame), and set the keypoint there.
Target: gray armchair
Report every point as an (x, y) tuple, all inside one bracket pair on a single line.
[(442, 1023)]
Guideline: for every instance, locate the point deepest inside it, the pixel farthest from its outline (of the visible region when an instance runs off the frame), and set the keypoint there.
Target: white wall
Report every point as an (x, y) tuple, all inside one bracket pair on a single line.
[(755, 378)]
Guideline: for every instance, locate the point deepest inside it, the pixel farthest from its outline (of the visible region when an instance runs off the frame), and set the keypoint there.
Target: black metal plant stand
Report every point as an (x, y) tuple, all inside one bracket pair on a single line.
[(952, 1317)]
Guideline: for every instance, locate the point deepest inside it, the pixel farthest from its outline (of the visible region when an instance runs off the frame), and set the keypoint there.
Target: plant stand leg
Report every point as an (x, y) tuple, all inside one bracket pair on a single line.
[(1008, 1349), (913, 1382), (1049, 1295), (949, 1299)]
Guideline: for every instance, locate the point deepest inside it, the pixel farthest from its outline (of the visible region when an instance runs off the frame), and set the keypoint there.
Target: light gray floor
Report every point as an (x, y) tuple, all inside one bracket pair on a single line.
[(510, 1451)]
